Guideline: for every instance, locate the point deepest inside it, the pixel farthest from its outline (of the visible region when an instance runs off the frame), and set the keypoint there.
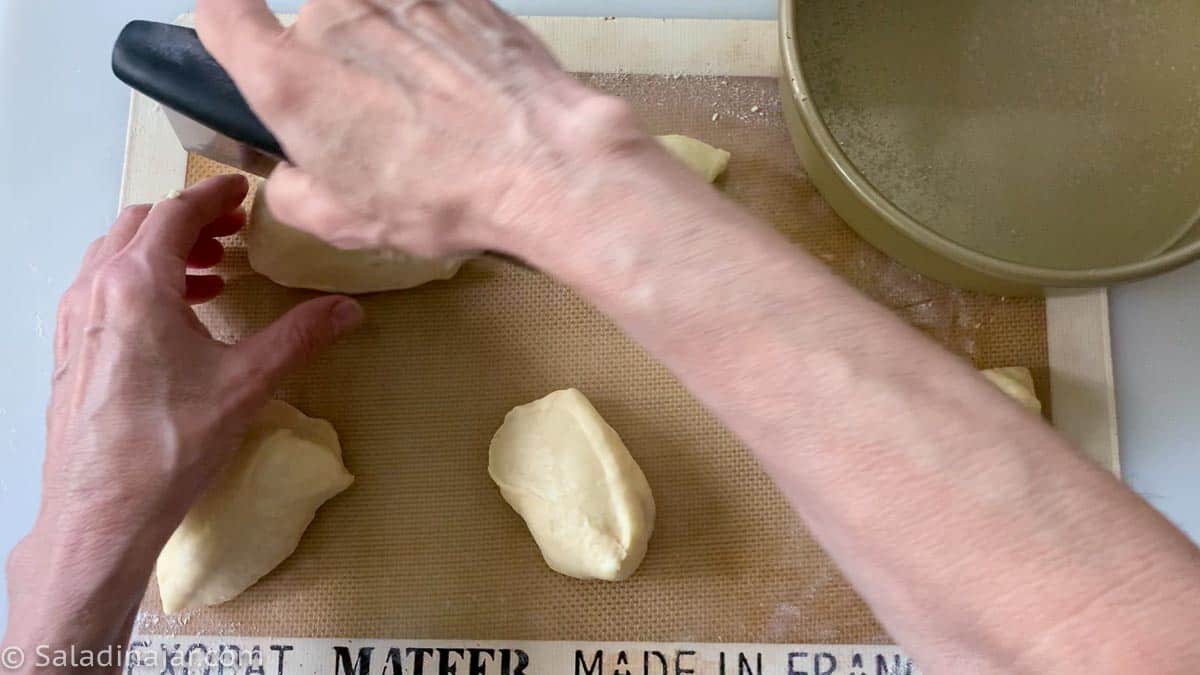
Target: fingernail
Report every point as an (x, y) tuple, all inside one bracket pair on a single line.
[(346, 315)]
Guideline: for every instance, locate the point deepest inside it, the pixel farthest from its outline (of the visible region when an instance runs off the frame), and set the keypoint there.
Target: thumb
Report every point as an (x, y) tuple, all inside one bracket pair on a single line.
[(297, 337)]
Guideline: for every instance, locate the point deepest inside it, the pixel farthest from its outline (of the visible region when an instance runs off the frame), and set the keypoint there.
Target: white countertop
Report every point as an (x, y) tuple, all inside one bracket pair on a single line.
[(62, 136)]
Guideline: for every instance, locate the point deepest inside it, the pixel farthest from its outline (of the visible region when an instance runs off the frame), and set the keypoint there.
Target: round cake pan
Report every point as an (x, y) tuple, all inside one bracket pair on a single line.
[(1000, 146)]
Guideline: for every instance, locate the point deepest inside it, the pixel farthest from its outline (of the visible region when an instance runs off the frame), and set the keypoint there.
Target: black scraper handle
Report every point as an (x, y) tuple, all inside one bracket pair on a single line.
[(170, 65)]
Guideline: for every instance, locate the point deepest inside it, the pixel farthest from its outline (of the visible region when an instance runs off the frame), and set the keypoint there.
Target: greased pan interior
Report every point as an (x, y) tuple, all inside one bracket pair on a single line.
[(1004, 146)]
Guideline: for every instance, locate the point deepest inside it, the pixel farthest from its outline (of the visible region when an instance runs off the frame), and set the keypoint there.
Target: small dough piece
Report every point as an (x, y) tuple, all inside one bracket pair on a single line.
[(294, 258), (699, 156), (1017, 382), (252, 517), (582, 495)]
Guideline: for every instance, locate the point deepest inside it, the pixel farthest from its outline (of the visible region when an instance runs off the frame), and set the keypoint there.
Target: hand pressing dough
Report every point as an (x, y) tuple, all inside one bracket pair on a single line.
[(252, 517), (1017, 382), (583, 497), (291, 257), (294, 258), (699, 156)]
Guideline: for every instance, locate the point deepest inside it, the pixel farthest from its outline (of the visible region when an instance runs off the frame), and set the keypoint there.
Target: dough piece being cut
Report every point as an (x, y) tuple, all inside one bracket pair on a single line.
[(582, 495), (291, 257), (1017, 382), (252, 517), (699, 156)]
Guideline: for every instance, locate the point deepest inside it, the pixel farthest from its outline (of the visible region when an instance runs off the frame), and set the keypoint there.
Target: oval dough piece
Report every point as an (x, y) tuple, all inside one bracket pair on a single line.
[(699, 156), (1017, 382), (291, 257), (252, 517), (582, 495)]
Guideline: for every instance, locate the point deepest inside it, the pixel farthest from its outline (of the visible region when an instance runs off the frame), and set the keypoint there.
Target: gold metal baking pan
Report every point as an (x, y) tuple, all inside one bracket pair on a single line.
[(1003, 146)]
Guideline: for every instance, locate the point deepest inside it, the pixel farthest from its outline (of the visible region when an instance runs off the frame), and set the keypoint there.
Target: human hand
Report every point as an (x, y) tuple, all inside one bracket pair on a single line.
[(146, 407), (430, 126)]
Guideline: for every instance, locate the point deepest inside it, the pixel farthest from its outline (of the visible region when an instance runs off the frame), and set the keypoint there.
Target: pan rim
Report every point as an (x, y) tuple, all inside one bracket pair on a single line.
[(866, 193)]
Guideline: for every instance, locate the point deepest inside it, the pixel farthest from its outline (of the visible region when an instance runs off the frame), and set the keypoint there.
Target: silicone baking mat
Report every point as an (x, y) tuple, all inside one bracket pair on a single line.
[(422, 545)]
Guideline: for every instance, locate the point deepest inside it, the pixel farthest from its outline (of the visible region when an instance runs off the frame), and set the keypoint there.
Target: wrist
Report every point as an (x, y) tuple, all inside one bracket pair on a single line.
[(595, 170), (64, 570), (630, 210)]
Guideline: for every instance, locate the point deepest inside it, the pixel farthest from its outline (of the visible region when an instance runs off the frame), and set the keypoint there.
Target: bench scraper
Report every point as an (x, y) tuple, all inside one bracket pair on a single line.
[(209, 115)]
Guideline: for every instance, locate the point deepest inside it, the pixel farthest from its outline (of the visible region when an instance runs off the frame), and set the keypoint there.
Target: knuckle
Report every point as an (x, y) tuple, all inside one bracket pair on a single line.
[(318, 17), (421, 12), (70, 299), (274, 84), (609, 112), (67, 305), (183, 207), (279, 196), (244, 373), (312, 14), (306, 341), (171, 211), (274, 92), (135, 211), (93, 249)]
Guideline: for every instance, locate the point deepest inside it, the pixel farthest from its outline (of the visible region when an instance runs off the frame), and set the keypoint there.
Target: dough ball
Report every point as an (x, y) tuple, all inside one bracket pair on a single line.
[(252, 517), (291, 257), (699, 156), (1017, 382), (583, 497)]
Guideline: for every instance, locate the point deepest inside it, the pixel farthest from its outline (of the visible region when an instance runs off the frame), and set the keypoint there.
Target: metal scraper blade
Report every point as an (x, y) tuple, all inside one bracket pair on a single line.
[(202, 140)]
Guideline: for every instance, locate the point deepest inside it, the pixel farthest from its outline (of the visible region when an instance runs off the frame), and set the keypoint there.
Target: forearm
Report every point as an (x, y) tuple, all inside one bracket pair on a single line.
[(76, 586), (954, 512)]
